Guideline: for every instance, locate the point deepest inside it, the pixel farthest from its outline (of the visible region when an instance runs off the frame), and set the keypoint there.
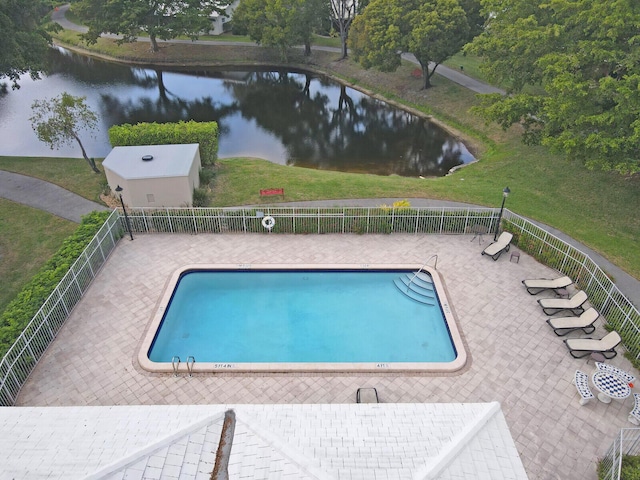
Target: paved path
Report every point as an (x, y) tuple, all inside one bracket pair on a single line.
[(45, 196), (450, 73)]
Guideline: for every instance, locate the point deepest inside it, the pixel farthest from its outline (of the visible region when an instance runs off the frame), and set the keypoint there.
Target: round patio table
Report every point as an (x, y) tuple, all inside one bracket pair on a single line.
[(610, 386)]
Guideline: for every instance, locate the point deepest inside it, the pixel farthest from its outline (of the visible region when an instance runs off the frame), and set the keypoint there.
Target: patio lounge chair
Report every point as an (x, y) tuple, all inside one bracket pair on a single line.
[(563, 325), (537, 285), (581, 347), (552, 306), (495, 249), (581, 381)]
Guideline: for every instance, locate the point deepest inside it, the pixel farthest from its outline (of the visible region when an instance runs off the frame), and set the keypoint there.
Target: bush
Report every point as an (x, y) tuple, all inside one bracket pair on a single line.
[(203, 133), (206, 176), (200, 197), (22, 309)]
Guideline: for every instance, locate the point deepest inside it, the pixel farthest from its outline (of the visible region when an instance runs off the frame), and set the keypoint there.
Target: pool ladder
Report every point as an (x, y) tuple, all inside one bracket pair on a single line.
[(175, 364)]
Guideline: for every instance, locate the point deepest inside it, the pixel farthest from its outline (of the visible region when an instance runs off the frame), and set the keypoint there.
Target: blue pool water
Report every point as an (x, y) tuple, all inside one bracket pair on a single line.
[(324, 316)]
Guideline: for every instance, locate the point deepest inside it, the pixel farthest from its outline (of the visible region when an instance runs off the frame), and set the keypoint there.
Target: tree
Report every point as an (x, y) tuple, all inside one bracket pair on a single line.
[(583, 57), (159, 19), (279, 23), (342, 14), (25, 38), (431, 30), (58, 121)]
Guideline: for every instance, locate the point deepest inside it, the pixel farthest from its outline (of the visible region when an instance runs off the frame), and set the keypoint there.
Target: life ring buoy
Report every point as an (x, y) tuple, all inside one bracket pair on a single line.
[(268, 222)]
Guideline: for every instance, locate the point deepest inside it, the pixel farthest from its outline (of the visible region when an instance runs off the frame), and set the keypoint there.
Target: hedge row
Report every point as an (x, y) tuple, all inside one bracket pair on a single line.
[(22, 309), (203, 133)]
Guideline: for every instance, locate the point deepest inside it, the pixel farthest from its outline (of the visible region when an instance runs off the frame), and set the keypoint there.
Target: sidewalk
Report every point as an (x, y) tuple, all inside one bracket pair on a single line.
[(45, 196)]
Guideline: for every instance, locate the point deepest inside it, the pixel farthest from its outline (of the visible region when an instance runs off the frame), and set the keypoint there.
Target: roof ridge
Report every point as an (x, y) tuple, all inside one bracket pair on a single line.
[(434, 467), (153, 447)]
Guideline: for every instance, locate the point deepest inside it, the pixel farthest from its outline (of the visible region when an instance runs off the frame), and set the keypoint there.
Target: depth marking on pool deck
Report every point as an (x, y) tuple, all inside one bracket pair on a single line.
[(212, 367)]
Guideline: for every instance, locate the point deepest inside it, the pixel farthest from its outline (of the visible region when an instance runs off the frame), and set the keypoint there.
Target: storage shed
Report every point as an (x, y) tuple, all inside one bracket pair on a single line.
[(154, 175)]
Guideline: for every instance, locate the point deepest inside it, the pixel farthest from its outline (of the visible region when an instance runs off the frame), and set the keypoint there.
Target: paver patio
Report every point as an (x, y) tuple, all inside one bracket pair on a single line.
[(514, 357)]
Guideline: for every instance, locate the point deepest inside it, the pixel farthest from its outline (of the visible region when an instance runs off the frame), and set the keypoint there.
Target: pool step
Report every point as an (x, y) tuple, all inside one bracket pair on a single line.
[(420, 289)]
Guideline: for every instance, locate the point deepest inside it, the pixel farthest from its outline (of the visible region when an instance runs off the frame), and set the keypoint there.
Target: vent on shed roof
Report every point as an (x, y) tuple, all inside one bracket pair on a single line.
[(147, 158)]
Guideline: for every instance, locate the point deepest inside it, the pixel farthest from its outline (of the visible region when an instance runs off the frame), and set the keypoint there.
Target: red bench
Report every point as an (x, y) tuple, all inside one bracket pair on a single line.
[(267, 192)]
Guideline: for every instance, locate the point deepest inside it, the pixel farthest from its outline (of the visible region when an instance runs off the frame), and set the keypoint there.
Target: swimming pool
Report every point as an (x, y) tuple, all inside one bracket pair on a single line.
[(301, 318)]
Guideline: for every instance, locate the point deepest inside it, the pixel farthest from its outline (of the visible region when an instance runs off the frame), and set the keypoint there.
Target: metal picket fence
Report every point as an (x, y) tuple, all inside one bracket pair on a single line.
[(627, 443), (313, 220), (23, 355), (618, 311)]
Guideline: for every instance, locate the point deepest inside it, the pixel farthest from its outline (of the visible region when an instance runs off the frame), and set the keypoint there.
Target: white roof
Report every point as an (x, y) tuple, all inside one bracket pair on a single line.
[(394, 441), (168, 161)]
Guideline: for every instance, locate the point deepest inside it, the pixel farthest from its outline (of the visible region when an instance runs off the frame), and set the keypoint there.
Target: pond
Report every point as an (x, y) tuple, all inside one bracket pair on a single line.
[(284, 116)]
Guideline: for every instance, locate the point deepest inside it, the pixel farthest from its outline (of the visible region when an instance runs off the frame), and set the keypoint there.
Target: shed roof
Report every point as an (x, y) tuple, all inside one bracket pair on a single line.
[(395, 441), (168, 161)]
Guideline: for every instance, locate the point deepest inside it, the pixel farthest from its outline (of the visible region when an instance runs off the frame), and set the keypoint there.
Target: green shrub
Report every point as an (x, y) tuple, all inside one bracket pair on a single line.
[(206, 176), (203, 133), (200, 197), (26, 304)]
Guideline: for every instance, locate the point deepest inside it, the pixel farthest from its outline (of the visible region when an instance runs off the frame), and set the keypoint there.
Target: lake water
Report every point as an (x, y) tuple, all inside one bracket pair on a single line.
[(287, 117)]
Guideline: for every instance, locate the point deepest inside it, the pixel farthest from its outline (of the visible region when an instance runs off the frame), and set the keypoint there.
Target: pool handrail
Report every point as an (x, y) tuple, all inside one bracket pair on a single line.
[(435, 266)]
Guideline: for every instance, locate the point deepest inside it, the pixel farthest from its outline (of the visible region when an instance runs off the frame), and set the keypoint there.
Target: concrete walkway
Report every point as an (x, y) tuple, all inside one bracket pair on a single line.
[(45, 196)]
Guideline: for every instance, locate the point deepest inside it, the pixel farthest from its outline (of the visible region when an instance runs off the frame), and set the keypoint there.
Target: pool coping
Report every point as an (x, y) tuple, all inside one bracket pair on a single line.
[(208, 367)]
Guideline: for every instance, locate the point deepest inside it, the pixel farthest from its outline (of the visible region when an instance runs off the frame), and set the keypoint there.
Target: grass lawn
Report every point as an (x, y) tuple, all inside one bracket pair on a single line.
[(596, 208), (28, 238)]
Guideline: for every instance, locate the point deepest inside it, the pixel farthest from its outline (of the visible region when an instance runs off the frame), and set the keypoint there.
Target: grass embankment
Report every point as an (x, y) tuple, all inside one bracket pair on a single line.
[(596, 208), (28, 238)]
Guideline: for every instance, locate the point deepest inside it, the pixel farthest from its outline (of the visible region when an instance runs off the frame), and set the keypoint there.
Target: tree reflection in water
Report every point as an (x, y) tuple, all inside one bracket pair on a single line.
[(288, 117)]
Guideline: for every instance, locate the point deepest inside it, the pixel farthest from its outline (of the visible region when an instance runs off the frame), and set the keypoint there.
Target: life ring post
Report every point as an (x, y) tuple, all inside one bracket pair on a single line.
[(268, 222)]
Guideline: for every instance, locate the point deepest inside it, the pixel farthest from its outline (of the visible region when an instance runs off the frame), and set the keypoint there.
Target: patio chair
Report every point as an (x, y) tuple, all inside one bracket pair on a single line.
[(563, 325), (552, 306), (581, 347), (495, 249), (634, 415), (367, 395), (581, 381), (537, 285)]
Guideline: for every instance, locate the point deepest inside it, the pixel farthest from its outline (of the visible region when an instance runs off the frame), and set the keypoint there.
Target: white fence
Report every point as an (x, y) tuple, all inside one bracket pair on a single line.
[(627, 443), (23, 355), (619, 312)]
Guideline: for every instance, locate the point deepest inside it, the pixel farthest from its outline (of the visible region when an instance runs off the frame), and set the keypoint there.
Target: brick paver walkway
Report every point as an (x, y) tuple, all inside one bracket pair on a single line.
[(514, 356)]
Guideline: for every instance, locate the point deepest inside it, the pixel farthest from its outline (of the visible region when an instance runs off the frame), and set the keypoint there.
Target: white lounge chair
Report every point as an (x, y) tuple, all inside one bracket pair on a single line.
[(537, 285), (581, 347), (495, 249), (552, 306), (581, 381), (563, 325)]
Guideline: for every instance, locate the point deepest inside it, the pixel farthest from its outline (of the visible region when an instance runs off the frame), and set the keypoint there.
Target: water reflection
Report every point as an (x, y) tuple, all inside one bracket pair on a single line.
[(287, 117)]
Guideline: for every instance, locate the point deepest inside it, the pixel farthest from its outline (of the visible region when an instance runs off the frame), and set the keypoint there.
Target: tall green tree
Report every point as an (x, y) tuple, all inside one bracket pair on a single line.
[(158, 19), (432, 30), (583, 59), (58, 121), (280, 23), (24, 38)]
